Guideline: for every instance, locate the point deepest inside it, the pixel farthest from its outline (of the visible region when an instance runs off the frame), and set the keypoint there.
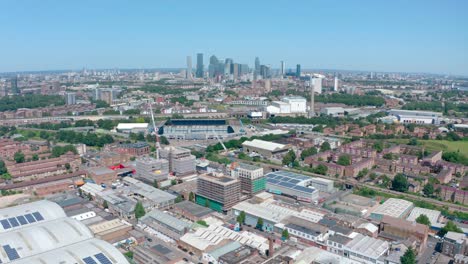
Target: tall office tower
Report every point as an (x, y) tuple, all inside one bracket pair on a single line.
[(151, 169), (298, 70), (227, 67), (218, 192), (235, 70), (283, 69), (70, 98), (312, 94), (243, 69), (14, 85), (181, 160), (188, 73), (257, 68), (335, 87), (316, 83), (265, 71), (199, 72), (212, 66), (251, 178)]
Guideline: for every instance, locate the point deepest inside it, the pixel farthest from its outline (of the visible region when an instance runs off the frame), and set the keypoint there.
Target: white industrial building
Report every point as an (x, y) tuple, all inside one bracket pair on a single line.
[(393, 207), (40, 232), (416, 116), (322, 185), (433, 215), (132, 127), (288, 105)]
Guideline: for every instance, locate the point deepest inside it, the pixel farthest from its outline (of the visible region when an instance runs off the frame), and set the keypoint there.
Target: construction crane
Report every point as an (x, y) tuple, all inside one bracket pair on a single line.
[(220, 141), (155, 131)]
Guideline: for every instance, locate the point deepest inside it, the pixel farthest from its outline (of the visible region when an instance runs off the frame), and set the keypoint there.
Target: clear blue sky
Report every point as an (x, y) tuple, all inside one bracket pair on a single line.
[(397, 35)]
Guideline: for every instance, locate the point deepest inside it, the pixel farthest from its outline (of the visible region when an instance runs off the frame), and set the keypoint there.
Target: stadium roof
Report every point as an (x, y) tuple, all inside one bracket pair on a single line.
[(131, 125), (13, 218)]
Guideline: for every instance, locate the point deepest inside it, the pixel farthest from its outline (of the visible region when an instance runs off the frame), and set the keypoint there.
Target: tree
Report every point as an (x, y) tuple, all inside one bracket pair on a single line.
[(207, 203), (400, 183), (163, 140), (285, 234), (6, 176), (450, 226), (413, 142), (173, 182), (344, 160), (89, 196), (191, 197), (155, 184), (409, 257), (325, 146), (105, 205), (428, 189), (67, 166), (35, 157), (19, 157), (423, 219), (241, 218), (139, 210), (3, 168), (308, 152), (260, 223), (321, 169), (378, 146), (289, 158), (178, 199)]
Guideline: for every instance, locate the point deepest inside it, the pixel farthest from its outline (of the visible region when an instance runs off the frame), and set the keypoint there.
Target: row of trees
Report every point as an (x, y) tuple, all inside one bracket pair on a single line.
[(11, 103), (351, 99), (89, 139)]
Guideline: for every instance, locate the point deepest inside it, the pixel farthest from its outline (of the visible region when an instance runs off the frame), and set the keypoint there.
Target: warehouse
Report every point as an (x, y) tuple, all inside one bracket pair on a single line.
[(322, 185), (265, 148), (199, 129), (433, 215), (393, 207), (291, 184), (165, 223)]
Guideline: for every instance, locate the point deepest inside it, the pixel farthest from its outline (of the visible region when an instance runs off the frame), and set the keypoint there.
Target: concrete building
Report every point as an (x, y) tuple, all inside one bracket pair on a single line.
[(322, 185), (165, 223), (181, 161), (265, 148), (192, 211), (150, 197), (150, 169), (111, 230), (200, 129), (70, 98), (156, 252), (307, 232), (297, 104), (416, 116), (219, 192), (133, 149), (251, 178), (454, 243), (291, 184), (393, 207), (433, 215), (395, 229)]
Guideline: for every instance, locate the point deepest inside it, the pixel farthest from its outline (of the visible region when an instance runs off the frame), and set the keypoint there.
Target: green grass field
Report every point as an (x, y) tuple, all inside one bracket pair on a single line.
[(436, 145)]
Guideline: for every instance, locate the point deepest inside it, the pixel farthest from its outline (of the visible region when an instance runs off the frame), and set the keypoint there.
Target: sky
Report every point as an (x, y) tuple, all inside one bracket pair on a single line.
[(394, 36)]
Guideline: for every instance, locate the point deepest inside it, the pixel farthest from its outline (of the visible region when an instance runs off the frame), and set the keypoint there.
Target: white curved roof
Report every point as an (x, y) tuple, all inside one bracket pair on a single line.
[(38, 238), (76, 253), (13, 218)]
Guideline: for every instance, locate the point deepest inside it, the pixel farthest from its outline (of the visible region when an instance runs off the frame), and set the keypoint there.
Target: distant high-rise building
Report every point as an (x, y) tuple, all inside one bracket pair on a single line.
[(212, 66), (335, 87), (264, 71), (312, 95), (14, 85), (235, 70), (298, 70), (227, 67), (188, 73), (283, 68), (70, 98), (257, 67), (199, 72), (181, 161)]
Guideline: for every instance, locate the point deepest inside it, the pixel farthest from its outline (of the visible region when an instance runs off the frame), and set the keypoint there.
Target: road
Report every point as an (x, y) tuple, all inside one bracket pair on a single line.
[(355, 183), (427, 255)]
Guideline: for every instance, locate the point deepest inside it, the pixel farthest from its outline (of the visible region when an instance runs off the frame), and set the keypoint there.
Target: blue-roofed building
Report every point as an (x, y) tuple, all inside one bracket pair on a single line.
[(291, 184)]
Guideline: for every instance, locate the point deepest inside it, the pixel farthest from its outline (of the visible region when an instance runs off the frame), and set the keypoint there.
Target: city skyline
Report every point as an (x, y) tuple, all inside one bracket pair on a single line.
[(321, 35)]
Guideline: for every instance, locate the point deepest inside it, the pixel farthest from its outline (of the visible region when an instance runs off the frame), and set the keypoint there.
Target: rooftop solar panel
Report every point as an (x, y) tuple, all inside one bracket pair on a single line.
[(38, 216), (294, 181), (22, 220), (13, 222), (30, 218), (5, 224), (286, 184), (102, 258), (89, 260), (304, 189), (272, 181), (11, 252)]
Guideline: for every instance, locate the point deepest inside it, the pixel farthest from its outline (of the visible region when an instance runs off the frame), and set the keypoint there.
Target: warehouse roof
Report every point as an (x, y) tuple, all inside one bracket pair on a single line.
[(13, 218), (88, 251), (193, 208), (148, 191), (261, 144), (393, 207), (131, 125), (433, 215), (368, 246), (165, 219)]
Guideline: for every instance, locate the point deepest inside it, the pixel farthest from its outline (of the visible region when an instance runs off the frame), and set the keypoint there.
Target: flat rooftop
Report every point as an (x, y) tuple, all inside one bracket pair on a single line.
[(193, 208), (393, 207)]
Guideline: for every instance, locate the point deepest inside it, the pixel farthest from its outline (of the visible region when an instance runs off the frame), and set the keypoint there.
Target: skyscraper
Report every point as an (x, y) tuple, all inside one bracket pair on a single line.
[(14, 85), (212, 66), (257, 68), (298, 70), (335, 87), (70, 98), (312, 94), (188, 73), (283, 68), (199, 72)]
